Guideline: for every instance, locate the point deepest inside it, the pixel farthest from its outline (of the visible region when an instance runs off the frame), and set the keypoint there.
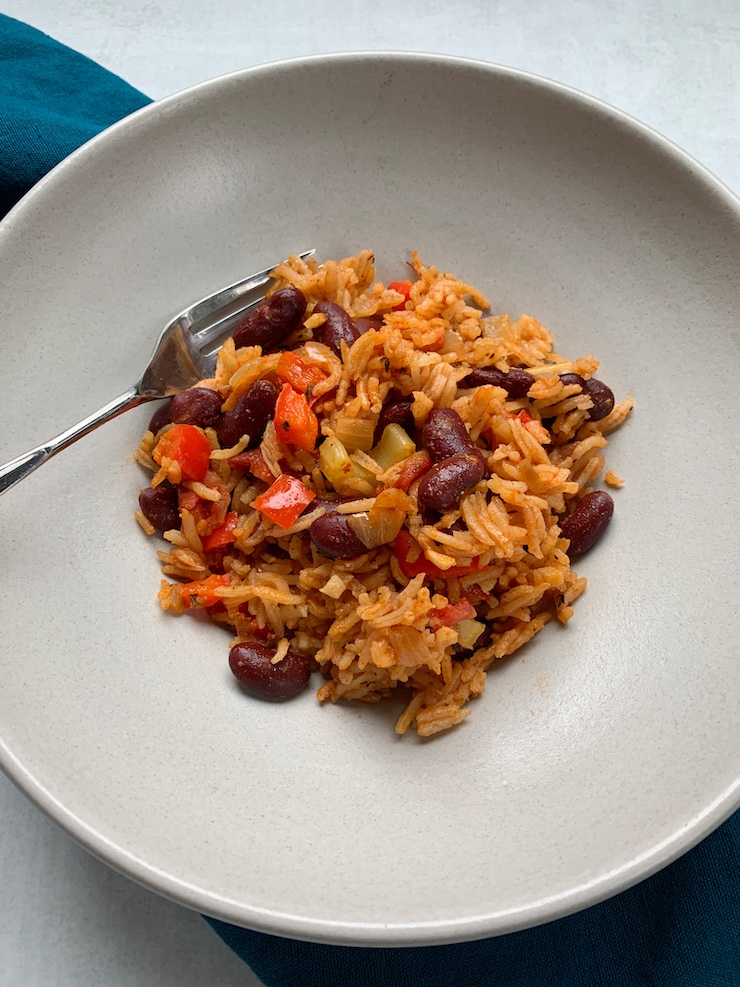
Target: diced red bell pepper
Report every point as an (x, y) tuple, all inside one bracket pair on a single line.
[(254, 462), (403, 288), (187, 500), (476, 595), (189, 447), (524, 417), (218, 511), (225, 534), (284, 501), (295, 423), (301, 376), (253, 627), (402, 547), (200, 593), (452, 614), (415, 466)]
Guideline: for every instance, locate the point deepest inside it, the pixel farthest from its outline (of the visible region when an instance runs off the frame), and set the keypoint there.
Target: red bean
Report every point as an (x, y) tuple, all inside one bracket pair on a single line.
[(197, 406), (458, 525), (273, 320), (396, 413), (333, 537), (365, 324), (427, 515), (159, 506), (251, 663), (516, 382), (570, 379), (329, 504), (445, 435), (602, 397), (337, 327), (588, 522), (445, 483), (249, 416)]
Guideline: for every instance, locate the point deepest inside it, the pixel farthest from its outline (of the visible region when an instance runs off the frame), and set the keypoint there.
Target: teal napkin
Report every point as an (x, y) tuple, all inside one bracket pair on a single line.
[(52, 99), (680, 928)]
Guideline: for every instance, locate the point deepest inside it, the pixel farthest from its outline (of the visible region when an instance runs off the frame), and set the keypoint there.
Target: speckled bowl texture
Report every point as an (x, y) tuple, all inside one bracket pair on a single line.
[(596, 755)]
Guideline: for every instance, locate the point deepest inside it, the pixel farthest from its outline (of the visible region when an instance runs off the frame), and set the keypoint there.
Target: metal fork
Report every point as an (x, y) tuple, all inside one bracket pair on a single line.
[(184, 354)]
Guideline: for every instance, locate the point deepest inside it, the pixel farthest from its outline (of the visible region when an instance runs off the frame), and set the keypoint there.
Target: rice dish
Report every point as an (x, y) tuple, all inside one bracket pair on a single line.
[(352, 526)]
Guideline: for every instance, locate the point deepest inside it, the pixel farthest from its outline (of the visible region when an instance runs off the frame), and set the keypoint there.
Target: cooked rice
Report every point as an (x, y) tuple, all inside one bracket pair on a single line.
[(368, 625)]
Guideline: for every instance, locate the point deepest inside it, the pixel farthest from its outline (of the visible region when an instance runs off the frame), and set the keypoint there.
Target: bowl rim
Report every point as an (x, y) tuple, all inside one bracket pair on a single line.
[(276, 922)]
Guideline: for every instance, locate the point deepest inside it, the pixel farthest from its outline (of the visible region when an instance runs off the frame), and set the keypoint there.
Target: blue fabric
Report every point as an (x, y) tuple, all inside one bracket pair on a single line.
[(52, 99), (680, 928)]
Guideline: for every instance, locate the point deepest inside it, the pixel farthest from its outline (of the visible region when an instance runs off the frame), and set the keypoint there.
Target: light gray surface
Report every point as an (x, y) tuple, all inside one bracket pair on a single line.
[(64, 918), (67, 920)]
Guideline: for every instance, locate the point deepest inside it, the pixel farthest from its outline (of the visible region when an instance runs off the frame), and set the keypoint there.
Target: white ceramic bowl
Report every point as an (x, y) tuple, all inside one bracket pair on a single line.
[(595, 757)]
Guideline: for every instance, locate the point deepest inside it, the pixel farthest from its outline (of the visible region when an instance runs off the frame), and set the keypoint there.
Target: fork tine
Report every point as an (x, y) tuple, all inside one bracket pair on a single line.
[(213, 303), (224, 326), (210, 353)]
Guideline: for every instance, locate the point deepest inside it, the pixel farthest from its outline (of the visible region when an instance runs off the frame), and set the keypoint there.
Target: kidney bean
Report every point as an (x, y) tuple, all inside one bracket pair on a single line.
[(445, 435), (427, 515), (333, 537), (588, 522), (396, 413), (338, 326), (458, 525), (249, 416), (442, 487), (159, 506), (329, 504), (516, 382), (602, 397), (366, 323), (273, 320), (197, 406), (570, 379), (251, 663)]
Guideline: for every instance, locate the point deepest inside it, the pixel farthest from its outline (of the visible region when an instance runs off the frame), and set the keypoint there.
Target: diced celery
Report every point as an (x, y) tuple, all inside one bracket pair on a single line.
[(394, 447), (361, 473), (468, 632), (334, 462), (337, 466)]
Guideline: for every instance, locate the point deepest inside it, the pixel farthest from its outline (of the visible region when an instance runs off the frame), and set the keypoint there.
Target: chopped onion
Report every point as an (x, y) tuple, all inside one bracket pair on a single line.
[(378, 526), (495, 325), (355, 433), (393, 497), (453, 342), (468, 632), (335, 587), (409, 646), (318, 353)]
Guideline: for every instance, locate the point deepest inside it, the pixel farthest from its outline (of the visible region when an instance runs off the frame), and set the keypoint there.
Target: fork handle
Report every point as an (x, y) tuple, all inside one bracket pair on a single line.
[(21, 466)]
